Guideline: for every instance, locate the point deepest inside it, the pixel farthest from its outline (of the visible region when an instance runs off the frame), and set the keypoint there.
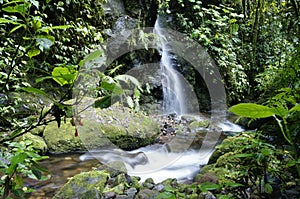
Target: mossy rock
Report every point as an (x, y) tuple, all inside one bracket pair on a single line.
[(87, 185), (112, 127), (199, 124), (230, 144), (117, 126), (62, 139), (37, 141)]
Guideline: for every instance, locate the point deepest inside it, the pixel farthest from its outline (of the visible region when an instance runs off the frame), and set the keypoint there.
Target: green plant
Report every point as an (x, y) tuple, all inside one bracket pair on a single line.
[(170, 193), (248, 165), (281, 113), (18, 160)]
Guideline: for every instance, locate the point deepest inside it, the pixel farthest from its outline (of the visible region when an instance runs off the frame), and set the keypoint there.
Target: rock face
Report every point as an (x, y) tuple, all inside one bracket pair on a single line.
[(113, 127)]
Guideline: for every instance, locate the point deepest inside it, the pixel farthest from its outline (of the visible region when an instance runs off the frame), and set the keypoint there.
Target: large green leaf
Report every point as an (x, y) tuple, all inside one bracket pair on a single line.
[(252, 110), (64, 75)]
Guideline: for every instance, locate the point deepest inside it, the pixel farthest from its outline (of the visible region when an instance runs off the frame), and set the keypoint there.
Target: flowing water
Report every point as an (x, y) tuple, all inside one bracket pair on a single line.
[(177, 93)]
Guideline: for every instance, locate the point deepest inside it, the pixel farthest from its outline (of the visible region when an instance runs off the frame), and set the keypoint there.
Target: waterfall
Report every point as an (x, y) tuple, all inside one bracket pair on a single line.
[(175, 98)]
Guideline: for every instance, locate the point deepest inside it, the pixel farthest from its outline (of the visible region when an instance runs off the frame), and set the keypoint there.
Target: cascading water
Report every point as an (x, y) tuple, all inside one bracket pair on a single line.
[(174, 91)]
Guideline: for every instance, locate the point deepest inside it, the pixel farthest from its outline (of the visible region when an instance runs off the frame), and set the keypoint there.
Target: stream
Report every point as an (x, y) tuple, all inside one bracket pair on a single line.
[(162, 163)]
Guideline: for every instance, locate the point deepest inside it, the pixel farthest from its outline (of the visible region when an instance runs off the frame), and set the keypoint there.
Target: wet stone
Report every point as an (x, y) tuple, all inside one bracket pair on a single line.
[(109, 195)]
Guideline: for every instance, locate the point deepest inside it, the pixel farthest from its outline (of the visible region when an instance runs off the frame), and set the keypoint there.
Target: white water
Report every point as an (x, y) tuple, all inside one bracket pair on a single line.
[(162, 164), (175, 99)]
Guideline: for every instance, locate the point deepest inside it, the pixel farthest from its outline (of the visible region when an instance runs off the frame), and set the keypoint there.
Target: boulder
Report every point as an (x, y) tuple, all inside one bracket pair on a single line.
[(62, 139), (113, 127), (37, 141), (84, 185)]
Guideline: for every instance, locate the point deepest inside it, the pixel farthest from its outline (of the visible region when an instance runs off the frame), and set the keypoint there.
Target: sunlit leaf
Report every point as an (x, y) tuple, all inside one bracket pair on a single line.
[(33, 52), (64, 75), (130, 102), (295, 108), (35, 3), (44, 43), (252, 110)]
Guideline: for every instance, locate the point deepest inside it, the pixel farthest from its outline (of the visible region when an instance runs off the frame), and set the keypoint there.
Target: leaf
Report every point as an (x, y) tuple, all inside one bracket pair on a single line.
[(104, 102), (243, 155), (16, 28), (64, 75), (35, 3), (166, 195), (295, 108), (129, 78), (20, 8), (280, 111), (268, 188), (19, 180), (252, 110), (36, 172), (208, 186), (38, 80), (62, 27), (233, 184), (108, 83), (3, 21), (93, 55), (19, 158), (33, 52), (129, 102), (44, 43), (34, 90)]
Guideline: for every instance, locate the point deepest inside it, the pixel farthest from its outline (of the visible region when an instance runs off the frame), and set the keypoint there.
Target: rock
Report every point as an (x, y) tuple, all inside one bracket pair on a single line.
[(207, 195), (147, 194), (62, 140), (198, 124), (87, 185), (206, 177), (37, 141), (109, 195), (116, 126)]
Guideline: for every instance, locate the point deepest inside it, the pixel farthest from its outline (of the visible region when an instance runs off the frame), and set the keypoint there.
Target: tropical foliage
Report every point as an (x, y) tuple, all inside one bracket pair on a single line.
[(255, 44)]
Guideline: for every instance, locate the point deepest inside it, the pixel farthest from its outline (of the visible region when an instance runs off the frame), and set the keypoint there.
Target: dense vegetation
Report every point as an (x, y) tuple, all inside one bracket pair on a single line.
[(254, 43)]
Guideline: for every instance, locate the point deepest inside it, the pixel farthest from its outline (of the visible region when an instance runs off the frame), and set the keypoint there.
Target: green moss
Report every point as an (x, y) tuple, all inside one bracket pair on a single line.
[(84, 185), (62, 139), (199, 124), (37, 141)]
